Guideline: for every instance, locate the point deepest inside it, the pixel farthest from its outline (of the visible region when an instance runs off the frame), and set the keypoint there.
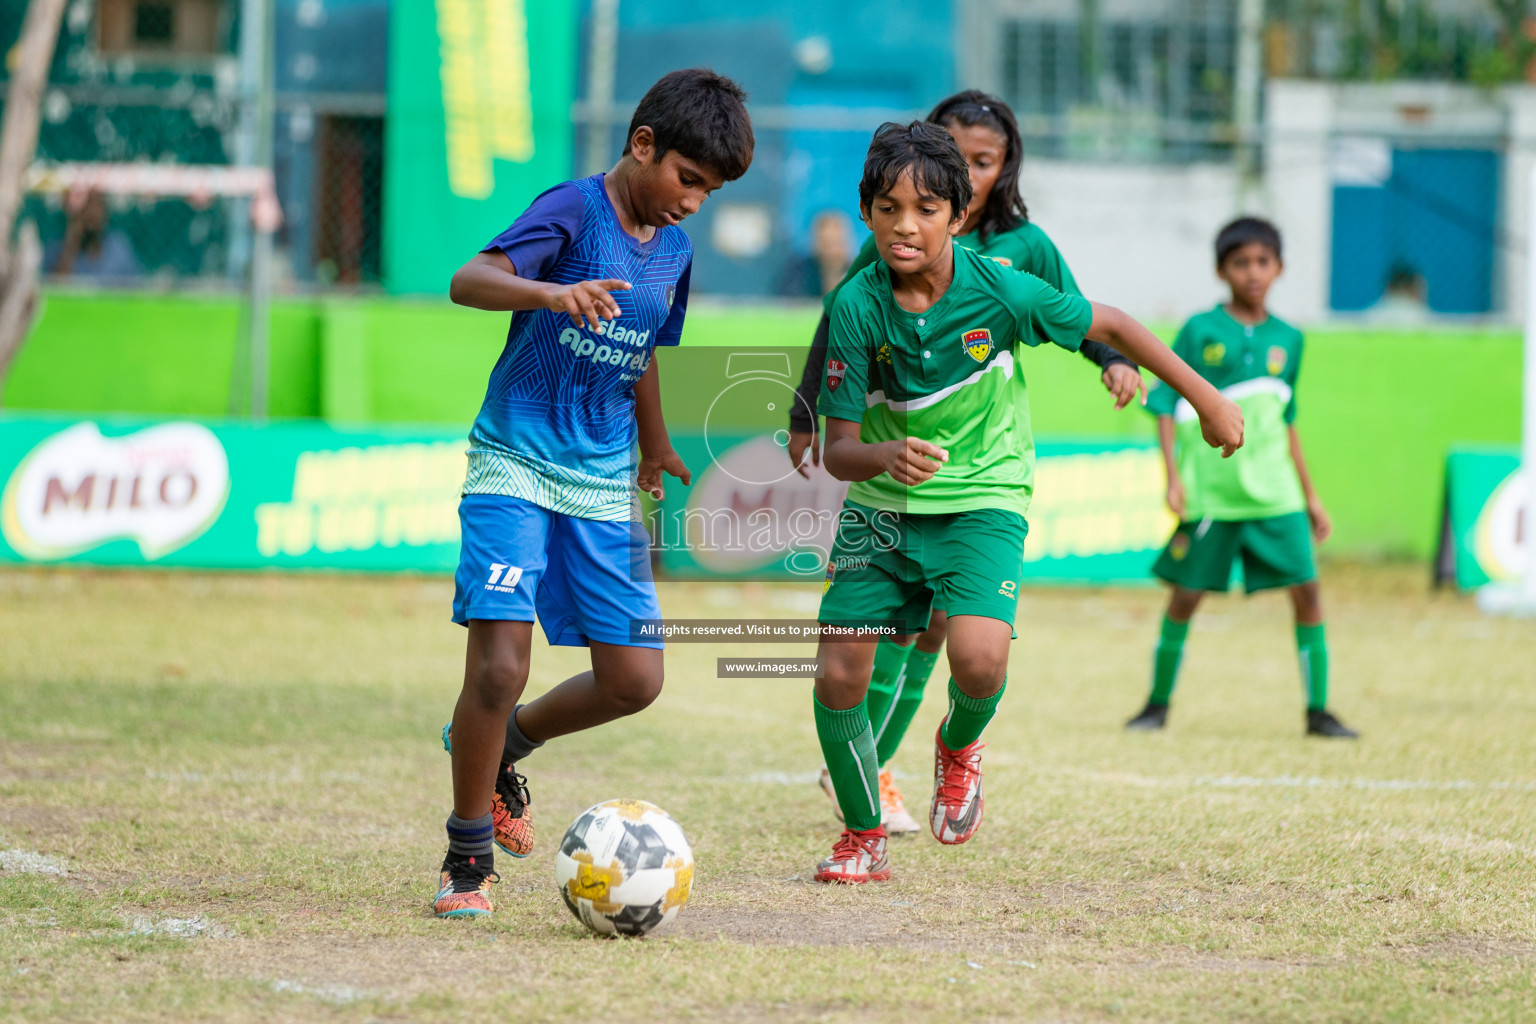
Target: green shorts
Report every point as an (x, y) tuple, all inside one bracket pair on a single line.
[(890, 568), (1276, 552)]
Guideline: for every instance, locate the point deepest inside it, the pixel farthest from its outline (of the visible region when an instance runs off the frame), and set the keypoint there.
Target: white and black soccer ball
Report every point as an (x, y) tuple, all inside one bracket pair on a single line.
[(624, 867)]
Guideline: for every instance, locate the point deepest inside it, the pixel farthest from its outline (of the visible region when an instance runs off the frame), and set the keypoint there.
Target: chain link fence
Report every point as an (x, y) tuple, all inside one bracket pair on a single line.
[(158, 81)]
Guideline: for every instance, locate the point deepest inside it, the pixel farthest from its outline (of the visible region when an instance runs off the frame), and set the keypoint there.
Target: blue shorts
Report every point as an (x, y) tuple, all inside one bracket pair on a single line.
[(587, 579)]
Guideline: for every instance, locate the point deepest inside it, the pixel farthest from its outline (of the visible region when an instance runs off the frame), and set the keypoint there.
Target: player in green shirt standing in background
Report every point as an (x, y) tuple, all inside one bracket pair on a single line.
[(997, 226), (928, 417), (1260, 505)]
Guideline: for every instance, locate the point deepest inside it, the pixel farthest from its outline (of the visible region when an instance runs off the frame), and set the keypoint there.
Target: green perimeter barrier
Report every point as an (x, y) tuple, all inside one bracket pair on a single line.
[(136, 491), (1380, 408)]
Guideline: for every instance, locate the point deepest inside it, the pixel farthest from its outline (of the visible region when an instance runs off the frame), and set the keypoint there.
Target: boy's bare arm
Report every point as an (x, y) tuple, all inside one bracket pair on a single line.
[(1322, 526), (489, 281), (1166, 440), (910, 460), (657, 456), (1221, 421)]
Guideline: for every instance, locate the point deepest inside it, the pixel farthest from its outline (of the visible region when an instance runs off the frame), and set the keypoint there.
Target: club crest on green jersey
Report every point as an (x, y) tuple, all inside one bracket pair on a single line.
[(1214, 353), (978, 343), (1274, 362), (836, 368)]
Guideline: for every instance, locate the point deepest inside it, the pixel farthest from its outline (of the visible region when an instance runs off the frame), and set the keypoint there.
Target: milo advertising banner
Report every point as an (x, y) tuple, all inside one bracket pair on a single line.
[(1098, 513), (182, 493), (1484, 527)]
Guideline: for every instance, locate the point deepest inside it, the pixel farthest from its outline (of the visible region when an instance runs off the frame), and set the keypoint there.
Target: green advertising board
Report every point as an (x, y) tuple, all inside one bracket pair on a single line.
[(1097, 516), (304, 495), (1484, 529), (194, 494), (479, 123)]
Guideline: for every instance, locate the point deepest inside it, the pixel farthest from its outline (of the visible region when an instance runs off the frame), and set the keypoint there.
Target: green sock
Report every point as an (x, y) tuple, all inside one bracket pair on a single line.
[(848, 746), (968, 716), (909, 697), (885, 683), (1312, 650), (1165, 660)]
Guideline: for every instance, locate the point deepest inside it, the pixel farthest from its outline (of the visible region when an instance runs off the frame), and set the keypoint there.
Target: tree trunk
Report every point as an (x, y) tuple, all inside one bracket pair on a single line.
[(19, 299), (21, 263)]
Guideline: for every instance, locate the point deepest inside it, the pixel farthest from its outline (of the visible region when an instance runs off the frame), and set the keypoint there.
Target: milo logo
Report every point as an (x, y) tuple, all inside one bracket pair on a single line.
[(161, 487)]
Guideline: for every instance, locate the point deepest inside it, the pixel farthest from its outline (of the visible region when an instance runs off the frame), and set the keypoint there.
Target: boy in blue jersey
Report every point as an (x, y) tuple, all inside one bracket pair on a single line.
[(596, 274)]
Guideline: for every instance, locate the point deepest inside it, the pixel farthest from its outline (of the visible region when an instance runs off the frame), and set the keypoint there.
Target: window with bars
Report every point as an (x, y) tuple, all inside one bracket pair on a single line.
[(158, 27)]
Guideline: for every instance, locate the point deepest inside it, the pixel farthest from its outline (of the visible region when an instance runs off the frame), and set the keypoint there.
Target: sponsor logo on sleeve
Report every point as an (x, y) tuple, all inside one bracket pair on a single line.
[(836, 369)]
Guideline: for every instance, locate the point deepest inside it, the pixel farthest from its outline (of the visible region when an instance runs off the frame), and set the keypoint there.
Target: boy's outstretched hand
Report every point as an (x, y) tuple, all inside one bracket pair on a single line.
[(1221, 424), (588, 300), (652, 467), (1124, 382), (912, 460)]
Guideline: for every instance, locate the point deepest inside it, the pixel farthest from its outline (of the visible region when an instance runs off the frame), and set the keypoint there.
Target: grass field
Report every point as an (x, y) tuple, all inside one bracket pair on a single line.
[(221, 798)]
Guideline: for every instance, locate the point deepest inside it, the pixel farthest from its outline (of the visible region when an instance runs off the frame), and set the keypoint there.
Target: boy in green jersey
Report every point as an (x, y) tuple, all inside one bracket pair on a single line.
[(1259, 506), (927, 414), (996, 225)]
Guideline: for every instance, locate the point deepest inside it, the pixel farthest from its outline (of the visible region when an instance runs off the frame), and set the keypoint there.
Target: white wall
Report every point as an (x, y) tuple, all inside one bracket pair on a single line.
[(1137, 237), (1140, 236)]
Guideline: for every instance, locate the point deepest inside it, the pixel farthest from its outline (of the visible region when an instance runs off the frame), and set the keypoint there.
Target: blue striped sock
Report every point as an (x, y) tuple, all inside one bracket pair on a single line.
[(470, 838)]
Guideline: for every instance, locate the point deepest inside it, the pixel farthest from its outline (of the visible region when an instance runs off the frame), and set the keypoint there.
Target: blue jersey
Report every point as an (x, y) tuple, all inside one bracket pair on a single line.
[(557, 427)]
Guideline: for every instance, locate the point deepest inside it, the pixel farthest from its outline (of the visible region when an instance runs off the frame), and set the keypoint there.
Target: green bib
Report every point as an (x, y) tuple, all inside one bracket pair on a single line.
[(1255, 366)]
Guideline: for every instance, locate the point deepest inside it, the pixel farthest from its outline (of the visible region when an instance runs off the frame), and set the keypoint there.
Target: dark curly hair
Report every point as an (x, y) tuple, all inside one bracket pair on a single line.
[(926, 150), (1005, 208), (700, 114)]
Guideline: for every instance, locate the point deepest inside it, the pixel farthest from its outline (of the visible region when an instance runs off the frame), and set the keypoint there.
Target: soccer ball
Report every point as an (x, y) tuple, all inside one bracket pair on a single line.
[(624, 867)]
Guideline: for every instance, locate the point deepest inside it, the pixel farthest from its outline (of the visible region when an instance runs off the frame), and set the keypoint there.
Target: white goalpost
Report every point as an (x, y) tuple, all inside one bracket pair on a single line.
[(200, 184)]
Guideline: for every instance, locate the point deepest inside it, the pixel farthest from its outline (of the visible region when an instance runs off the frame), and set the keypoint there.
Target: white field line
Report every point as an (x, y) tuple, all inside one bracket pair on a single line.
[(25, 862), (291, 777), (179, 927), (1311, 782), (337, 995), (1221, 782), (792, 778), (1452, 843)]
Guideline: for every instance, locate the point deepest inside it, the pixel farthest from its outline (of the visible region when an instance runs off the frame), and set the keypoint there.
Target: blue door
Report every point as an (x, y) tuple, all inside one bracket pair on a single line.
[(1433, 219)]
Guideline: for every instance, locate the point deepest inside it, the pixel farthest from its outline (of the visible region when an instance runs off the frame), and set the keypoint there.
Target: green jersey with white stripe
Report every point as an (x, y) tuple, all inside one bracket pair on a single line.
[(1255, 366), (949, 375)]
